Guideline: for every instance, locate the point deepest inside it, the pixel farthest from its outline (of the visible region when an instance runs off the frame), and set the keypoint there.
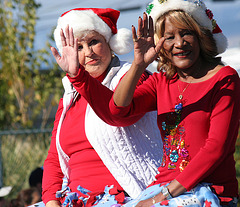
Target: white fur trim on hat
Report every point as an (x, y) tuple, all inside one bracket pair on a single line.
[(195, 8), (87, 20), (221, 42)]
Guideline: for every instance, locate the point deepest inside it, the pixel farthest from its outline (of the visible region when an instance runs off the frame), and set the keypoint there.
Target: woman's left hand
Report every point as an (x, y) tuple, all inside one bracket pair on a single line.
[(69, 60)]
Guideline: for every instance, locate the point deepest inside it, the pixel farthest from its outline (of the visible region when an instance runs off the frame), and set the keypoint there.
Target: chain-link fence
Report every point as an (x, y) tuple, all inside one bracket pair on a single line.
[(21, 152)]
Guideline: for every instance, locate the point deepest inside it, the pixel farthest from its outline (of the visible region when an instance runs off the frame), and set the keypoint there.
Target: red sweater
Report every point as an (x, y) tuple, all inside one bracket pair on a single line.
[(207, 129)]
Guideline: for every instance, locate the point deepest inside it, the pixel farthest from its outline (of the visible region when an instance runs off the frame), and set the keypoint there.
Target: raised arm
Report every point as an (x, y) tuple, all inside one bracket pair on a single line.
[(145, 52)]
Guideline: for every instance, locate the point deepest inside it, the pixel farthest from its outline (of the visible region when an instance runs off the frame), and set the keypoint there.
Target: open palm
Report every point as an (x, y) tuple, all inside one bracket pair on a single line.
[(145, 51), (68, 60)]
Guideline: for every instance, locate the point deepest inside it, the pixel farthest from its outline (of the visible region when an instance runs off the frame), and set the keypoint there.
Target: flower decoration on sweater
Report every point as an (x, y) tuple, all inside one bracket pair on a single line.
[(176, 154)]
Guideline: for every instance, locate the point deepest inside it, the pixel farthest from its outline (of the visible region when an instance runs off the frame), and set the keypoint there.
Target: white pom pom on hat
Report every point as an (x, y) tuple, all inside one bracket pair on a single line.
[(122, 41), (195, 8), (103, 21)]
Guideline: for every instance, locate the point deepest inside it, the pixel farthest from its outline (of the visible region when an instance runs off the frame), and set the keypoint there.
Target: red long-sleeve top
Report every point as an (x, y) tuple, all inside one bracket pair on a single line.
[(207, 130)]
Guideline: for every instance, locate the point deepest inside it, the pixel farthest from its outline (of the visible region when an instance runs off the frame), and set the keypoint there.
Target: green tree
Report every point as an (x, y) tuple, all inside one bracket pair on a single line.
[(28, 94)]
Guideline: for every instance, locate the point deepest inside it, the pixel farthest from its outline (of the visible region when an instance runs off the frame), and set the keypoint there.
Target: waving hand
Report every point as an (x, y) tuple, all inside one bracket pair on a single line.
[(68, 61), (145, 51)]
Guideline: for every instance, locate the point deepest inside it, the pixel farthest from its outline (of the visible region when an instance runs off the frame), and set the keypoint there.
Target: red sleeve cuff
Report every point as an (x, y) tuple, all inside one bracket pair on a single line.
[(79, 75)]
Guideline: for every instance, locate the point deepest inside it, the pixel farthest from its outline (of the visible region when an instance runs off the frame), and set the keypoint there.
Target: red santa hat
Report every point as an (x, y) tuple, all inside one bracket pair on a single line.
[(195, 8), (103, 21)]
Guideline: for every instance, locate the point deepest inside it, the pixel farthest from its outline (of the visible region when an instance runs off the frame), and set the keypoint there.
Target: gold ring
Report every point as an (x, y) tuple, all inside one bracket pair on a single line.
[(139, 36), (135, 39), (153, 200)]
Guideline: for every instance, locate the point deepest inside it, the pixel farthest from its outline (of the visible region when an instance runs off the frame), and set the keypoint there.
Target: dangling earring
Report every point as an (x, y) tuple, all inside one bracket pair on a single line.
[(113, 55)]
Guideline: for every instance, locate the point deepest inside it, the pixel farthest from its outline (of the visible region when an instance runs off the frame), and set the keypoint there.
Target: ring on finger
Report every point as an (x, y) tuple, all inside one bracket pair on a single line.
[(135, 39)]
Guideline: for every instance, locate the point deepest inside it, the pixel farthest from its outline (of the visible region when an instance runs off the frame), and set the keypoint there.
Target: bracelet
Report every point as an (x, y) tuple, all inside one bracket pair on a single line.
[(153, 200), (166, 193)]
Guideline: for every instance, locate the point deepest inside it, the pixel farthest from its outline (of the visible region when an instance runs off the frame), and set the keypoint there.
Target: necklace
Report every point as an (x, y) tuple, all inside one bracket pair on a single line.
[(195, 73), (181, 93)]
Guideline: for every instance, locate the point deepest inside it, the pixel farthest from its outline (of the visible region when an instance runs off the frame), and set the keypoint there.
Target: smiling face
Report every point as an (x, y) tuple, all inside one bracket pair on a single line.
[(94, 53), (181, 46)]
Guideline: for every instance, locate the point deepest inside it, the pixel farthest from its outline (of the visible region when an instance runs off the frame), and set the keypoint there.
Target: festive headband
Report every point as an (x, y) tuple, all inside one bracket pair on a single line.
[(195, 8), (103, 21)]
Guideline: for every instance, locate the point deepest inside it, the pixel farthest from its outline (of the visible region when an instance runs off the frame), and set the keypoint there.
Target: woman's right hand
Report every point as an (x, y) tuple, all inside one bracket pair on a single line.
[(53, 203), (145, 51), (69, 60)]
